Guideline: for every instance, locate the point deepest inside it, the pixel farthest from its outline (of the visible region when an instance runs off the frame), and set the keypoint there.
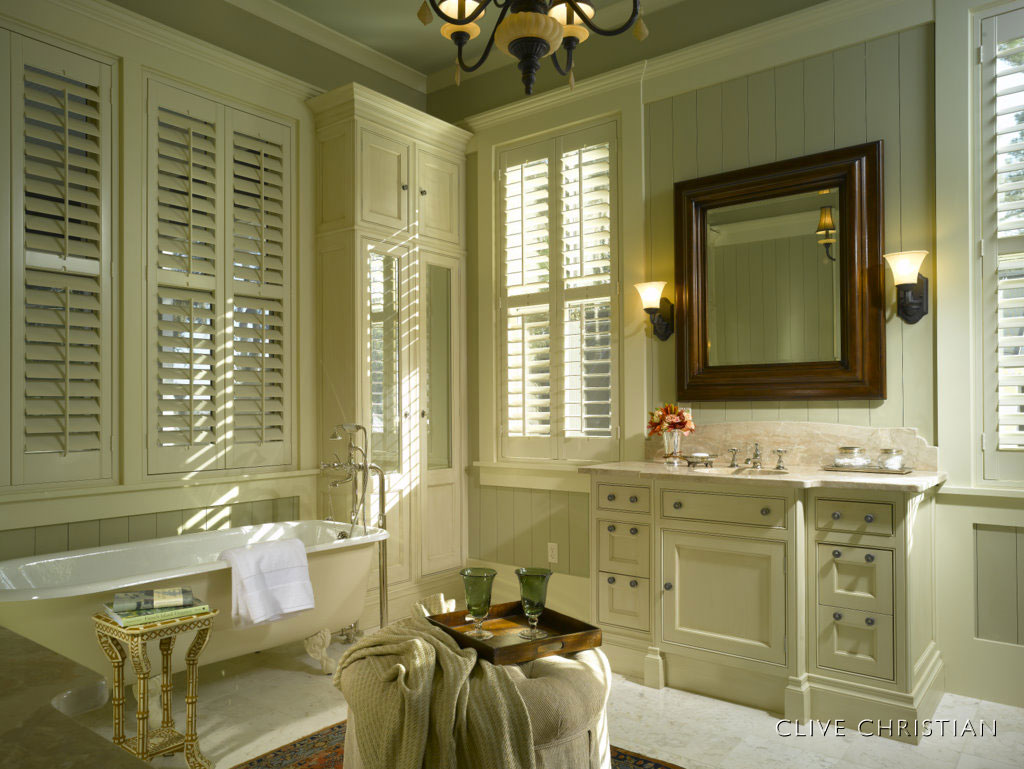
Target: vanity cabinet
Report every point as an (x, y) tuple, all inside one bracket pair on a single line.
[(788, 595), (391, 282)]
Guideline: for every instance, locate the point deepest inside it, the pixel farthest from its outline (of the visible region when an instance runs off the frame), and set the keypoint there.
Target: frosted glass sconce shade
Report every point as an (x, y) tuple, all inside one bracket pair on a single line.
[(650, 293), (659, 308), (825, 224), (911, 286)]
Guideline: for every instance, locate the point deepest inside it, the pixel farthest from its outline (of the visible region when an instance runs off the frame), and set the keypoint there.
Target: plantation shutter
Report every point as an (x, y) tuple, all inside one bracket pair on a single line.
[(61, 347), (1002, 134), (560, 384), (186, 421), (258, 407)]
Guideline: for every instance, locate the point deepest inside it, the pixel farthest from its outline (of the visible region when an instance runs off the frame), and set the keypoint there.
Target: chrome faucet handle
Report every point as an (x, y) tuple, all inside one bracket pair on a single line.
[(733, 462), (779, 465)]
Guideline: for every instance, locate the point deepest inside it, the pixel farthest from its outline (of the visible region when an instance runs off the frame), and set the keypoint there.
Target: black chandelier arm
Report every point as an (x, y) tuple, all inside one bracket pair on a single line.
[(487, 48), (568, 62), (472, 17), (596, 29)]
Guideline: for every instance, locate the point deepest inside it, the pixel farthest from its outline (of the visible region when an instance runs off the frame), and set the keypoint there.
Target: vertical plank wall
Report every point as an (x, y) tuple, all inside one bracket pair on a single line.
[(880, 89)]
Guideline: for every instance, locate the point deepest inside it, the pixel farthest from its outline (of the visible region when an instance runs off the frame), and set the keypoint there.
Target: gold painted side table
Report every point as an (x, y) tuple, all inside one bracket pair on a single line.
[(148, 744)]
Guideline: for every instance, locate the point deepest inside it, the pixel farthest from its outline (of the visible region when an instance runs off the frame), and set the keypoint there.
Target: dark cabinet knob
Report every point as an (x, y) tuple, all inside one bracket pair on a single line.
[(611, 497), (633, 500), (869, 558), (611, 527), (633, 583), (836, 515), (869, 518), (405, 186), (836, 616), (766, 511), (668, 585), (611, 580), (634, 531), (837, 553), (423, 192), (869, 621), (677, 505)]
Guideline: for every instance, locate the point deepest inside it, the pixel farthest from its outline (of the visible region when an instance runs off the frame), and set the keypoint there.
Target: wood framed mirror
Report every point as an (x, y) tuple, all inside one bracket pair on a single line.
[(779, 280)]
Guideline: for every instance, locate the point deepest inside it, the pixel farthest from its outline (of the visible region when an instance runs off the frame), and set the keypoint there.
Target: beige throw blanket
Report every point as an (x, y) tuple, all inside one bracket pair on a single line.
[(423, 702)]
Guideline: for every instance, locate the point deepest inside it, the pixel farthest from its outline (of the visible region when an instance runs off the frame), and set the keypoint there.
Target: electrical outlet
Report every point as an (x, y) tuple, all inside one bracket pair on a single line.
[(552, 552)]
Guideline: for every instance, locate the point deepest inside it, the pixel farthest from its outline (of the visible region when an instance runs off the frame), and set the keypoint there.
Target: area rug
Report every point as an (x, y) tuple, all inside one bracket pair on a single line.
[(326, 750)]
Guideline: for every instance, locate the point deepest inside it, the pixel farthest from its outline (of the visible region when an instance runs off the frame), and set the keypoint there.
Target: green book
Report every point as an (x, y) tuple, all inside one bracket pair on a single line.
[(142, 616)]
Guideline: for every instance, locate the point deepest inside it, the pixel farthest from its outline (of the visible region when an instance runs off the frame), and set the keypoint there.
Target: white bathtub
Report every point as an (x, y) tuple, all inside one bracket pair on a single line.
[(51, 599)]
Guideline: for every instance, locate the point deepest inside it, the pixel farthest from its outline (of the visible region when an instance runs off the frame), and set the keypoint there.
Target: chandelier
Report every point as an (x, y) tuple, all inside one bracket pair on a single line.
[(527, 30)]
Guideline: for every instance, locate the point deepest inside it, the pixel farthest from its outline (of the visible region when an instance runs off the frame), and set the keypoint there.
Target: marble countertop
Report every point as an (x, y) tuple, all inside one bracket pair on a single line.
[(792, 478), (35, 734)]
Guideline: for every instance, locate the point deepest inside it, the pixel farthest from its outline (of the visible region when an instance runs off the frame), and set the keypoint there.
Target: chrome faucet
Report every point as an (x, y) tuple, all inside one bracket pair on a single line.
[(755, 461)]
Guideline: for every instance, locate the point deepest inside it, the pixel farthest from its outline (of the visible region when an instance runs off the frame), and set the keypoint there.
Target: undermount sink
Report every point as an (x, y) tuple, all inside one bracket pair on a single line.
[(738, 471)]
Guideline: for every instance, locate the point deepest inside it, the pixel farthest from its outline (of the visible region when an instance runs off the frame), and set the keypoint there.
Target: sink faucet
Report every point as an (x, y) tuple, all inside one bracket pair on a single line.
[(755, 461)]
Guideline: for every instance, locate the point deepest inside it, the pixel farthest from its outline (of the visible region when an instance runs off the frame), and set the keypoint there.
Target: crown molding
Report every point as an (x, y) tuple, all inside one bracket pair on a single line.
[(358, 101), (332, 40), (820, 28), (40, 13)]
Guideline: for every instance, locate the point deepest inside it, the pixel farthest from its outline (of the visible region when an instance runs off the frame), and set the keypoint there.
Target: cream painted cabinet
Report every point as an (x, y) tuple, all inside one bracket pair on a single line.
[(392, 300), (439, 185), (384, 176), (725, 594)]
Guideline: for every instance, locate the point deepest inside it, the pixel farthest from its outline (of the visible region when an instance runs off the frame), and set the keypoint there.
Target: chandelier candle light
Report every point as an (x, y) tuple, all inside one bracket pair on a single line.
[(527, 30), (671, 423)]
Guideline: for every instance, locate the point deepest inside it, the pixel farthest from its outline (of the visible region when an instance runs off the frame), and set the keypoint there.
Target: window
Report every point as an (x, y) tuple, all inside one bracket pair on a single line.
[(559, 285), (61, 294), (219, 242)]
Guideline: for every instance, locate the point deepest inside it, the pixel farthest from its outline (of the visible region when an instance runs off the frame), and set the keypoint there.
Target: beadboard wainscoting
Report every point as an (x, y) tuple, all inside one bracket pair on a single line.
[(57, 538), (879, 89), (514, 526)]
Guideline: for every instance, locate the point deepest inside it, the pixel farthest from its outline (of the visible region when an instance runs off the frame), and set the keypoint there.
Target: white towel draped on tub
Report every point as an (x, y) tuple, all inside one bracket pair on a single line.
[(268, 580)]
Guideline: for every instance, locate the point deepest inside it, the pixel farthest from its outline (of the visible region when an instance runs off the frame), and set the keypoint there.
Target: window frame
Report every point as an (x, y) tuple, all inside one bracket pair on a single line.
[(557, 446)]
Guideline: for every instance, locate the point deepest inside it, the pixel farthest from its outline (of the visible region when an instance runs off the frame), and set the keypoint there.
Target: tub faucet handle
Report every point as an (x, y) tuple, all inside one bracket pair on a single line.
[(733, 462), (779, 465)]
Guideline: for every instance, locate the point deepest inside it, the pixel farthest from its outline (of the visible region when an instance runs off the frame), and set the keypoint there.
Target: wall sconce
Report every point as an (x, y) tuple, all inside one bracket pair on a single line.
[(911, 285), (827, 229), (659, 308)]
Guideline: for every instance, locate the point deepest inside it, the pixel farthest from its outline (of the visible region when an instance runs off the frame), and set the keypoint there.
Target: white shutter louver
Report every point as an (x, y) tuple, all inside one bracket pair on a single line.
[(259, 212), (62, 280), (558, 317), (259, 375)]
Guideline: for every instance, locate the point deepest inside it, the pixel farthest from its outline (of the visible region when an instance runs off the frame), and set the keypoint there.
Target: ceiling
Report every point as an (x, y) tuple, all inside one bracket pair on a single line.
[(391, 27)]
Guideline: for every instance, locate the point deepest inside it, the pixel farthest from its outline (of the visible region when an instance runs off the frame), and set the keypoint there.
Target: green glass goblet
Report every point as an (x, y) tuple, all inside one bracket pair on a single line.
[(533, 590), (477, 581)]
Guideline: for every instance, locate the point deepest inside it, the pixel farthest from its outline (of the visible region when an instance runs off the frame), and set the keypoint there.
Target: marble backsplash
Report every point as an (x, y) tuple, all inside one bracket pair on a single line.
[(807, 444)]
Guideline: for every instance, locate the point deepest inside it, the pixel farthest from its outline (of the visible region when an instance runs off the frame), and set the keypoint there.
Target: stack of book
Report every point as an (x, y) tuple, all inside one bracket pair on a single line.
[(141, 606)]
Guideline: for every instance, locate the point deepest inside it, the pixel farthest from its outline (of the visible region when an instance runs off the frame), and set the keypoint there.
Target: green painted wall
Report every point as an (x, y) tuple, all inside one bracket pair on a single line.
[(229, 27), (880, 89), (677, 26)]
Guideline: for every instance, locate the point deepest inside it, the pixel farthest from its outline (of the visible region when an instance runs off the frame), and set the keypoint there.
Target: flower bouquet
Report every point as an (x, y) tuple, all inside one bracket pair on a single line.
[(671, 423)]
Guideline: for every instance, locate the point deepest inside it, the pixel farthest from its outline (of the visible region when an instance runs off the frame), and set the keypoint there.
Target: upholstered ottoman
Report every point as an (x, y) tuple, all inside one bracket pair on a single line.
[(566, 699)]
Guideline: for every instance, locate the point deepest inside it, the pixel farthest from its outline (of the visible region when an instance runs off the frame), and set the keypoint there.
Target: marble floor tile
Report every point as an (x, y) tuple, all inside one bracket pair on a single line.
[(253, 704)]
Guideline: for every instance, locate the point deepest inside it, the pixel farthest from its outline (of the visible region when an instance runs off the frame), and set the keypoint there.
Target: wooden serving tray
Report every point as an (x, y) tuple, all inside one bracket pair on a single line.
[(868, 469), (505, 620)]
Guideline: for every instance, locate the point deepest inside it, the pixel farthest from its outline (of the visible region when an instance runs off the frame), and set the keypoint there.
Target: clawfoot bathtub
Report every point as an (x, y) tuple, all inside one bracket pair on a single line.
[(51, 599)]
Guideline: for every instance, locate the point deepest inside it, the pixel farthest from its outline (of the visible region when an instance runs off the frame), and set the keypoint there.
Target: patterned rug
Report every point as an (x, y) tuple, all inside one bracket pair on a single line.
[(326, 750)]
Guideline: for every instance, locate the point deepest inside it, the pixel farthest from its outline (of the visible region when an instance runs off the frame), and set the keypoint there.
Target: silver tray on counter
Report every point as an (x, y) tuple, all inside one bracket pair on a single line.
[(868, 469)]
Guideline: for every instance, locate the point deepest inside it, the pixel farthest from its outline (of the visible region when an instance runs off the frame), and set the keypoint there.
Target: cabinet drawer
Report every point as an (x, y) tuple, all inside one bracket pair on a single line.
[(855, 577), (624, 548), (631, 499), (855, 641), (724, 508), (853, 516), (624, 601)]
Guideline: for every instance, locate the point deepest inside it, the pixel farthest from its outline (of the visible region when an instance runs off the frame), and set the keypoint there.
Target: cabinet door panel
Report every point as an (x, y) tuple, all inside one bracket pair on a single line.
[(439, 198), (855, 577), (855, 641), (384, 173), (728, 594), (624, 601), (624, 548)]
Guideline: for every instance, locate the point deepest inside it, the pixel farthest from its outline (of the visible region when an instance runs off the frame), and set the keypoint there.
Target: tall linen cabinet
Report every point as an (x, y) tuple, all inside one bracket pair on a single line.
[(391, 280)]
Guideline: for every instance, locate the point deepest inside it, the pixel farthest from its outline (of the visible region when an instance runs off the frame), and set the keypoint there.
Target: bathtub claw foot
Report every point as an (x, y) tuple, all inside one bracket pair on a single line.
[(350, 634), (316, 647)]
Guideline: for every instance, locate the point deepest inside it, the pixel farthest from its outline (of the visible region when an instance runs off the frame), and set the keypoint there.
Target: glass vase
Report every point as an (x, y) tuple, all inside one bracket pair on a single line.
[(673, 440)]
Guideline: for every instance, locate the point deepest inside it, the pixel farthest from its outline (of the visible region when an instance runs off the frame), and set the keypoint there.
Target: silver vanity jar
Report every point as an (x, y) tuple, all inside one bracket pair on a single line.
[(851, 456), (891, 459)]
